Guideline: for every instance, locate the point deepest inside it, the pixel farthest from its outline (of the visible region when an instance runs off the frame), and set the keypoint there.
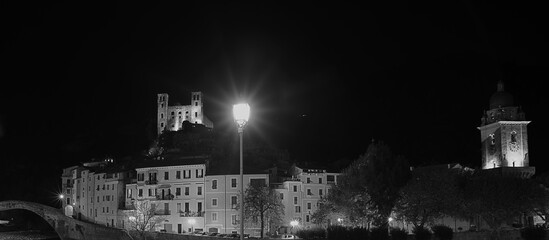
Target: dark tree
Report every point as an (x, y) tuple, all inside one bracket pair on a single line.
[(368, 189), (500, 199), (262, 204), (430, 193), (383, 174)]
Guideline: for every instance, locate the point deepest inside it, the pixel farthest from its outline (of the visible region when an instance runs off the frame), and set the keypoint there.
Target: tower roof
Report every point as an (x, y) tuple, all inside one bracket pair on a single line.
[(501, 98)]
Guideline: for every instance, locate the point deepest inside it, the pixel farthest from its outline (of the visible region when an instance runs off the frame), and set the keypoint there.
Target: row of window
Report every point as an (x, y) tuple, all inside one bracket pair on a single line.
[(186, 116), (154, 192), (108, 187), (199, 173)]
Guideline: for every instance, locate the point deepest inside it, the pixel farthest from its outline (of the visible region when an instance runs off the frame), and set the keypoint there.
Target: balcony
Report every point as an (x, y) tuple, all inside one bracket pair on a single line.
[(165, 197), (191, 214), (151, 182), (162, 212)]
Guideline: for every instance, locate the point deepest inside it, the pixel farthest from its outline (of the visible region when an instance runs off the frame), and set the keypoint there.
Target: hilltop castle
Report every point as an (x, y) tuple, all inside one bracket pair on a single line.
[(171, 118)]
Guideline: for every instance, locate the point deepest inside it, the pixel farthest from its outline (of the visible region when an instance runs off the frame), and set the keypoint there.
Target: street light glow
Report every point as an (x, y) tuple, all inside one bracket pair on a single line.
[(294, 223), (61, 196), (241, 113)]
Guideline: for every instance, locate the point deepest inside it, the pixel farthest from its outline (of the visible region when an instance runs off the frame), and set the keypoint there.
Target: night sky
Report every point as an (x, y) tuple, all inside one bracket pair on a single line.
[(79, 80)]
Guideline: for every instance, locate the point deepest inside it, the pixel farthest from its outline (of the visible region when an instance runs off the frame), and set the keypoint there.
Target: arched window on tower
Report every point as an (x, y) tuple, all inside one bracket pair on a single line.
[(513, 137)]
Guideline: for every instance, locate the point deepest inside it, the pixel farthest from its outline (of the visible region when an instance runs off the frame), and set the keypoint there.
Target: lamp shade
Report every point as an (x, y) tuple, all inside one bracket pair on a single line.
[(241, 112)]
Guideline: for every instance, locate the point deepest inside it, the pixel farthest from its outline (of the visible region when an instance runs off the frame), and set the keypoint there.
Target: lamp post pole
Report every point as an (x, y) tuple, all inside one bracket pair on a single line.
[(240, 130), (241, 114)]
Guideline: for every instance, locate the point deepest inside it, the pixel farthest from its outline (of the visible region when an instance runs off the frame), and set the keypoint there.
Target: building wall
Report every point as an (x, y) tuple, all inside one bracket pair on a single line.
[(96, 197), (177, 191), (302, 192), (220, 217)]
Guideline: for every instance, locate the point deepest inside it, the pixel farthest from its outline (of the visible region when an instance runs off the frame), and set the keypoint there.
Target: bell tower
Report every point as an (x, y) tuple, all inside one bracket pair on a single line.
[(504, 135)]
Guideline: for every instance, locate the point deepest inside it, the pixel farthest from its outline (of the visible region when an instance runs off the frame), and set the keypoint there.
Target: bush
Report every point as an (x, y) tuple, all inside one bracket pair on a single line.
[(339, 232), (421, 233), (398, 234), (442, 232), (313, 233), (533, 233), (379, 233)]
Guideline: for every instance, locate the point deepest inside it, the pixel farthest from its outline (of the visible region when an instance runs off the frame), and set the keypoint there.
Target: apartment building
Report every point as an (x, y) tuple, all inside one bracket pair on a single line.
[(94, 192), (176, 187), (301, 190), (223, 199)]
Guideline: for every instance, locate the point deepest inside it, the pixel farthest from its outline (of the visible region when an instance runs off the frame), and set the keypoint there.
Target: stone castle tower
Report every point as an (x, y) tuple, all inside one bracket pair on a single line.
[(504, 136), (171, 118)]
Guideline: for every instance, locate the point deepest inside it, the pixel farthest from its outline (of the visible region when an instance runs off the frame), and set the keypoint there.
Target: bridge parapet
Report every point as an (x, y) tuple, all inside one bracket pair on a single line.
[(67, 228)]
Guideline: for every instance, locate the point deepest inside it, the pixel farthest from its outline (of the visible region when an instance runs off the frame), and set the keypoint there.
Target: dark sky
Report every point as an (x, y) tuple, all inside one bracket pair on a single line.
[(79, 80)]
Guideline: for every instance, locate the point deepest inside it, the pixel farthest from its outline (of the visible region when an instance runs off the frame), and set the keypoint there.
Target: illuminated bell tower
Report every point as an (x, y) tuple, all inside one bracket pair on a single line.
[(504, 135)]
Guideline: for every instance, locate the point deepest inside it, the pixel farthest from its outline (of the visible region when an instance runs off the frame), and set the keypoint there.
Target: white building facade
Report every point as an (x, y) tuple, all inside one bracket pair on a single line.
[(301, 193), (223, 199)]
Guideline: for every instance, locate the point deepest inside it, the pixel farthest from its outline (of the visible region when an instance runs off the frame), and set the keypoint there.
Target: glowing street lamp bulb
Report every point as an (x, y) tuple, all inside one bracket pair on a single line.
[(340, 220), (61, 196), (390, 219), (294, 223), (241, 113), (191, 221)]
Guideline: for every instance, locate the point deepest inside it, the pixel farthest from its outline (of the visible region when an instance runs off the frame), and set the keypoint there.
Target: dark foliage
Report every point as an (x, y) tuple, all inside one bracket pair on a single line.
[(442, 232), (313, 233), (357, 233), (380, 233), (421, 233), (398, 234), (533, 233)]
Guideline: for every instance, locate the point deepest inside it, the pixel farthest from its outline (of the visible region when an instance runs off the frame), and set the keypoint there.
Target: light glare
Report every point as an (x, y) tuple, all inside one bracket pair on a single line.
[(241, 112)]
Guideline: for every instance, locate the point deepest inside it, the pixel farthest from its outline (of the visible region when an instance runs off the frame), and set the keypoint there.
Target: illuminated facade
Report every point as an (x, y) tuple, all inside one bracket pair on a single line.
[(504, 135), (171, 118), (177, 191), (301, 192), (222, 200), (94, 192)]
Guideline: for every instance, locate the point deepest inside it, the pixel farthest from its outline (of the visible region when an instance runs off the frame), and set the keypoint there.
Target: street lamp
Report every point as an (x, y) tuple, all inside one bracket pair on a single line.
[(241, 114), (294, 223), (192, 221)]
